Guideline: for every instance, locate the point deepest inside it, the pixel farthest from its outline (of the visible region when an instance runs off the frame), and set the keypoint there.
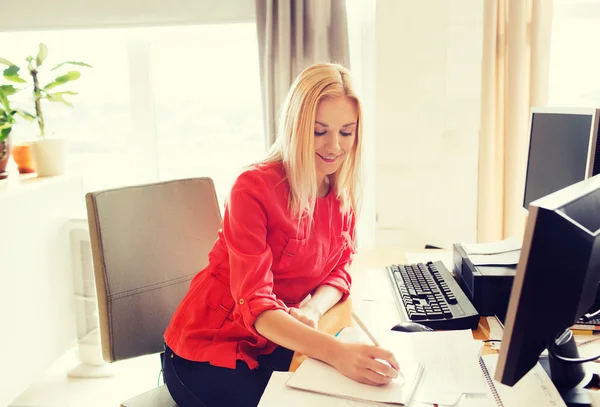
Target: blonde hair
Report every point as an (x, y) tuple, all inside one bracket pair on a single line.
[(294, 146)]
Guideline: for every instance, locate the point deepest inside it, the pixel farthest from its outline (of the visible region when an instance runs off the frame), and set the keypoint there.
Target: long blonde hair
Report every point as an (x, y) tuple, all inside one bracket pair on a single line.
[(294, 146)]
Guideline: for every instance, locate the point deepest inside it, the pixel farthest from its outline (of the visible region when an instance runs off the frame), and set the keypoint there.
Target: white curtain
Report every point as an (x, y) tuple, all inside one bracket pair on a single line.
[(516, 55), (293, 34)]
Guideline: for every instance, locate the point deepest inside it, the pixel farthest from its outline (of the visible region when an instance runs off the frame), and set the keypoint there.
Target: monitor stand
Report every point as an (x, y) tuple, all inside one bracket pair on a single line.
[(570, 379)]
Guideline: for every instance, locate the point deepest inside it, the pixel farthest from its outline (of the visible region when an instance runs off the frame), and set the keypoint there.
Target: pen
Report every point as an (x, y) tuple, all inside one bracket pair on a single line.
[(370, 335), (365, 329)]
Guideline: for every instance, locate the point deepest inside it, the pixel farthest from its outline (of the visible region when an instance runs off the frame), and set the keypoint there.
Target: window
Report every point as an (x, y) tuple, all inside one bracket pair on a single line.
[(574, 61), (158, 104), (208, 102)]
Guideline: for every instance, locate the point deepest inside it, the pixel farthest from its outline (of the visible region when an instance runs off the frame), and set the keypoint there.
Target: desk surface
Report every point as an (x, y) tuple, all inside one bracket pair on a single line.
[(372, 300)]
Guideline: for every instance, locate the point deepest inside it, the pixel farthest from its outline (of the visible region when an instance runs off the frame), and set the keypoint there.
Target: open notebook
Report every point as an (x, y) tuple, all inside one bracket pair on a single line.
[(534, 389)]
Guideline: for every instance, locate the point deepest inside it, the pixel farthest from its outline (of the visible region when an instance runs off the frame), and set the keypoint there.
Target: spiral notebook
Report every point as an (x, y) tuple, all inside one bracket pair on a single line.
[(534, 389)]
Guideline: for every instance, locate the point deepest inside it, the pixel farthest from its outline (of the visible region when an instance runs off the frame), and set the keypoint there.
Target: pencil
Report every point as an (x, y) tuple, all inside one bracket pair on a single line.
[(365, 329)]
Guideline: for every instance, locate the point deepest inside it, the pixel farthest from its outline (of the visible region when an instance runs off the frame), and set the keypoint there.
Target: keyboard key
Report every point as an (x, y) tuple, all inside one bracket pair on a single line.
[(417, 316)]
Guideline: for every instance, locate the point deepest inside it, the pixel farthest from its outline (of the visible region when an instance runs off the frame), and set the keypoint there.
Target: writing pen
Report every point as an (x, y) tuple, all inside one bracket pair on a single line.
[(365, 329), (370, 335)]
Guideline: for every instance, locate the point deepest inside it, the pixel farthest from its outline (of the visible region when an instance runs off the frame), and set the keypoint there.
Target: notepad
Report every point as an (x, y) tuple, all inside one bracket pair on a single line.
[(316, 376)]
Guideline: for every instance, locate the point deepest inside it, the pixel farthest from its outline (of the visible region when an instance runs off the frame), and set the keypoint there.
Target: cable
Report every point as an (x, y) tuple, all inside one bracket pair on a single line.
[(553, 353), (589, 316)]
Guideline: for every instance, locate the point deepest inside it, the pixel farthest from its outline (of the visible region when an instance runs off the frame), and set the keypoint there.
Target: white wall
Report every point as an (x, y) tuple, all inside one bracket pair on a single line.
[(45, 14), (427, 96)]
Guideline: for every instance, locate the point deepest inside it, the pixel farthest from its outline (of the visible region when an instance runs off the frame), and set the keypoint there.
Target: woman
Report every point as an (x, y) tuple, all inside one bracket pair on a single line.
[(281, 259)]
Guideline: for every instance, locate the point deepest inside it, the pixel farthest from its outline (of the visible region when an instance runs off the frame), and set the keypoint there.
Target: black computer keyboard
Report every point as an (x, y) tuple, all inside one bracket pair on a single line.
[(428, 294)]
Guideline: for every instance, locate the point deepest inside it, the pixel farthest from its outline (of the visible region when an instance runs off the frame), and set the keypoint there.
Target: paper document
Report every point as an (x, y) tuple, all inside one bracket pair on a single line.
[(444, 256), (505, 259), (506, 245), (450, 360)]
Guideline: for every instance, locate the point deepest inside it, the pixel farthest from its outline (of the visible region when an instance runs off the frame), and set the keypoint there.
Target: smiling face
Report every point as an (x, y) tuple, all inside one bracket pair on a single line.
[(335, 133)]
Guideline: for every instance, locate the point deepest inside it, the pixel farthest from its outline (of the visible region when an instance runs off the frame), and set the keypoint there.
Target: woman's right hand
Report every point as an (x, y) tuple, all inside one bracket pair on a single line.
[(360, 363)]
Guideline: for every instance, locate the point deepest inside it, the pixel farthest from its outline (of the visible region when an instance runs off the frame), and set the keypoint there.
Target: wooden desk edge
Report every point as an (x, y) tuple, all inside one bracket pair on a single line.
[(333, 321)]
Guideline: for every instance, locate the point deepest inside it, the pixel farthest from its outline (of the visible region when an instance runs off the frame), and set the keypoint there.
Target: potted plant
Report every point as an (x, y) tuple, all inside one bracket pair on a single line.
[(7, 120), (50, 153)]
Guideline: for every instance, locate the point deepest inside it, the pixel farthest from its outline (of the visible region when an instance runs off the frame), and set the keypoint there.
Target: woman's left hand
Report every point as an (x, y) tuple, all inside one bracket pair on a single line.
[(307, 315)]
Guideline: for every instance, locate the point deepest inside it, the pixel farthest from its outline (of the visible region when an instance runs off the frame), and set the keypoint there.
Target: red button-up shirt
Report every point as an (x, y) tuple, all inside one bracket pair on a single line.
[(261, 261)]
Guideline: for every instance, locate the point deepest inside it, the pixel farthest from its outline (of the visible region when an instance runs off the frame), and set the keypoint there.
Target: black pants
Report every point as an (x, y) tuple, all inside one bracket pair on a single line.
[(200, 384)]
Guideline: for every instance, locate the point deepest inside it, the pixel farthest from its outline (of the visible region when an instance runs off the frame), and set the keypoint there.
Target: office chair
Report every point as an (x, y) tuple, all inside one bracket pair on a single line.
[(148, 242)]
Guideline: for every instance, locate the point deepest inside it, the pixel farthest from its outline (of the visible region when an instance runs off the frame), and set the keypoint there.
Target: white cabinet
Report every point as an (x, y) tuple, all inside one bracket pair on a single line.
[(37, 307)]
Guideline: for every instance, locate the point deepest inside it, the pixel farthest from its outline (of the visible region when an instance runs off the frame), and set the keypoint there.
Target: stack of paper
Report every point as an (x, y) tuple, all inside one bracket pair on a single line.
[(450, 360), (505, 252)]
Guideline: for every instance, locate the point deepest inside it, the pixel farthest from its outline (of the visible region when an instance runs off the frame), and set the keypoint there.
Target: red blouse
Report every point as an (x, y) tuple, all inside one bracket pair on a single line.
[(261, 261)]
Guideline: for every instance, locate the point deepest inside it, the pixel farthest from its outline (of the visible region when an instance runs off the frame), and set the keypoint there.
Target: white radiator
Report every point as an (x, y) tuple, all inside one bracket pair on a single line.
[(88, 334)]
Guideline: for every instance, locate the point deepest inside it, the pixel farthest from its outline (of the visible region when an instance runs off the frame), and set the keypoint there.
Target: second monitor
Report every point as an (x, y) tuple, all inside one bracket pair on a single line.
[(563, 149)]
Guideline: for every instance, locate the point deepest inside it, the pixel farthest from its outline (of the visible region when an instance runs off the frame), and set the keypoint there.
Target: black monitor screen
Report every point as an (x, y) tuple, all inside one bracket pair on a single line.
[(558, 151), (555, 283), (585, 211)]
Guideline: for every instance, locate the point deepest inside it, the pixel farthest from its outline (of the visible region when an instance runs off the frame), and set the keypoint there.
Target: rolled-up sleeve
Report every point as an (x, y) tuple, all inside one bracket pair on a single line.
[(250, 257), (340, 277)]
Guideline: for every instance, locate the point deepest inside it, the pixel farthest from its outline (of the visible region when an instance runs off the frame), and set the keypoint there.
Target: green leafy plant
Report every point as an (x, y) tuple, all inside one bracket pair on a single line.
[(41, 92), (7, 113)]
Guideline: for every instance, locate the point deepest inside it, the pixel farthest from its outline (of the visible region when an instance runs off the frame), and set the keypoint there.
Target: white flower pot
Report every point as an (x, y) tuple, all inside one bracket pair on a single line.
[(50, 156)]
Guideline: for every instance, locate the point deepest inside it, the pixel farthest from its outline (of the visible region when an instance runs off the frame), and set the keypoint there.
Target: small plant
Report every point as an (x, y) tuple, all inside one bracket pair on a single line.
[(8, 115), (40, 92)]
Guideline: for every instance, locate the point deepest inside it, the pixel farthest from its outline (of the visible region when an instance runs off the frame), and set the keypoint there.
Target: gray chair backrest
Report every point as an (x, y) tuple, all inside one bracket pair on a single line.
[(148, 242)]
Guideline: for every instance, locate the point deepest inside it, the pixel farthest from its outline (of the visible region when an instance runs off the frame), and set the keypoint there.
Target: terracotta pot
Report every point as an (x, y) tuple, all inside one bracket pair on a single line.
[(5, 147), (24, 158)]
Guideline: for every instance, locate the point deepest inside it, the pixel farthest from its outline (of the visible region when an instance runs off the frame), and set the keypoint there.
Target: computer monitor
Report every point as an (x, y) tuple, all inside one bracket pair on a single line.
[(563, 149), (556, 278)]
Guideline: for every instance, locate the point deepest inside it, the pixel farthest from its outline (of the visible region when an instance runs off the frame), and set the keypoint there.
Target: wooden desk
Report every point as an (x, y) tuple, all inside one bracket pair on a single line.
[(371, 298)]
